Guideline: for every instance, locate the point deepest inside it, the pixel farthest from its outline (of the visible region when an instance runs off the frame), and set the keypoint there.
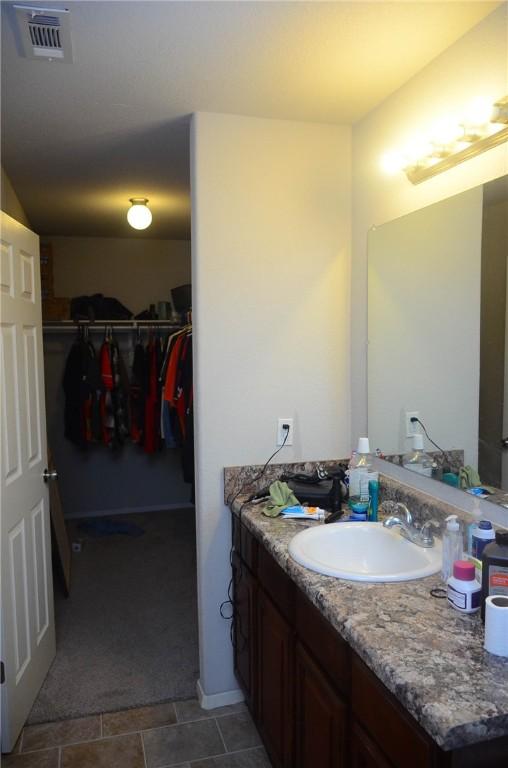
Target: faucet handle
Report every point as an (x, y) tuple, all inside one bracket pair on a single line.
[(407, 513), (426, 533)]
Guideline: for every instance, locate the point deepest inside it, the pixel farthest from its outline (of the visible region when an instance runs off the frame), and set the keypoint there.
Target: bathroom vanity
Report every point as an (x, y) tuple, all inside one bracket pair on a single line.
[(339, 673)]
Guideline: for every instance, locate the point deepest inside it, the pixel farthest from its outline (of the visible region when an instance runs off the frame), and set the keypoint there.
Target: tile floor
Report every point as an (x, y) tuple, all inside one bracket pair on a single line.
[(181, 735)]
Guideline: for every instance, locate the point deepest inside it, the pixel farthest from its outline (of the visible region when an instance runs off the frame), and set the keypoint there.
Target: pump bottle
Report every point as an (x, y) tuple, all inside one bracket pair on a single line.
[(452, 546)]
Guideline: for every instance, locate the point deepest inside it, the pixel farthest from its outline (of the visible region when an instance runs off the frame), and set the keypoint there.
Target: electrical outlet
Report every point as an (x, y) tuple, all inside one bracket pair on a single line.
[(281, 432), (412, 427)]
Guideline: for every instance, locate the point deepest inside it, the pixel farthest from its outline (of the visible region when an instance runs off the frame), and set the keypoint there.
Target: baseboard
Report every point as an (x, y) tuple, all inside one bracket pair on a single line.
[(214, 700), (128, 510)]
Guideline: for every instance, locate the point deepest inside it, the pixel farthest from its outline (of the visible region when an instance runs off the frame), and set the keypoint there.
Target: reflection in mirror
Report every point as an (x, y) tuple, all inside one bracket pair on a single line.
[(438, 338)]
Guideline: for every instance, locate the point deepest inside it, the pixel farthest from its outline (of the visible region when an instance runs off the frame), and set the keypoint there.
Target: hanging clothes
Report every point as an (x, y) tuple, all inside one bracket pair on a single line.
[(151, 441), (81, 384), (107, 414), (119, 394), (178, 399), (137, 394), (151, 407)]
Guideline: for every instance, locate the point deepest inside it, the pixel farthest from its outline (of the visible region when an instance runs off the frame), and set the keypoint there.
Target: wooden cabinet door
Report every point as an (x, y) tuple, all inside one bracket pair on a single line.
[(243, 628), (364, 753), (320, 717), (274, 700)]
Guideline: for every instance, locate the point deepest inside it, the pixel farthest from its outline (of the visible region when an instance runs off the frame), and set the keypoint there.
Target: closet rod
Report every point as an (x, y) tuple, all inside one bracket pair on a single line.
[(72, 325)]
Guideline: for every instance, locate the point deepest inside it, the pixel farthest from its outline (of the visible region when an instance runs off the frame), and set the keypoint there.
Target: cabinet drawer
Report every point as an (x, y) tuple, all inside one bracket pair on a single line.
[(276, 583), (399, 736), (329, 649), (245, 544)]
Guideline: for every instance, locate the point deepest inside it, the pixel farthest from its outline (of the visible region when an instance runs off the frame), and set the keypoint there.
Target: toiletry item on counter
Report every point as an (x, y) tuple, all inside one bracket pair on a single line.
[(417, 460), (479, 492), (452, 546), (477, 566), (496, 625), (374, 497), (359, 507), (463, 591), (477, 516), (495, 568), (483, 534), (450, 478), (306, 513), (360, 462)]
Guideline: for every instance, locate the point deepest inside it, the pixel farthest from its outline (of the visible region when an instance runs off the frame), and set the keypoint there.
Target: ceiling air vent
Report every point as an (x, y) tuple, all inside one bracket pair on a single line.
[(44, 32)]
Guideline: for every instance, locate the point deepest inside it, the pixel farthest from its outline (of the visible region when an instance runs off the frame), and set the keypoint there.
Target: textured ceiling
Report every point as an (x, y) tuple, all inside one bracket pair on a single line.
[(80, 138)]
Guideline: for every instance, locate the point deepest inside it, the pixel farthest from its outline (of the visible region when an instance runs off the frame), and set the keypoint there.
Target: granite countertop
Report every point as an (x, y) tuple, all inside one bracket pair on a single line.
[(428, 655)]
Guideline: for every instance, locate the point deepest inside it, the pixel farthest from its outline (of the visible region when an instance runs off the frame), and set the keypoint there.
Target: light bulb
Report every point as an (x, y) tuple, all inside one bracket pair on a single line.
[(139, 214), (417, 150), (445, 132), (392, 162), (478, 112)]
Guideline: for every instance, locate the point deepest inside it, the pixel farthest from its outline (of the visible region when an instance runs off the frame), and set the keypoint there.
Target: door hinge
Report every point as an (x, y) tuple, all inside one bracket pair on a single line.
[(2, 673)]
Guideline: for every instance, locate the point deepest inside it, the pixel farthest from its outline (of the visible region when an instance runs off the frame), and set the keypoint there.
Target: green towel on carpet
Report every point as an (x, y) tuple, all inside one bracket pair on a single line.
[(281, 496)]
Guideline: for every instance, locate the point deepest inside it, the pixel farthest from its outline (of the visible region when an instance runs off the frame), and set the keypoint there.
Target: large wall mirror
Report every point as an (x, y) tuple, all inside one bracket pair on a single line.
[(438, 331)]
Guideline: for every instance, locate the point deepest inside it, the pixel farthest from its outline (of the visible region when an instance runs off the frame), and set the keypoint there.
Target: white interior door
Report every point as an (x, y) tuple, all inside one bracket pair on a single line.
[(27, 619)]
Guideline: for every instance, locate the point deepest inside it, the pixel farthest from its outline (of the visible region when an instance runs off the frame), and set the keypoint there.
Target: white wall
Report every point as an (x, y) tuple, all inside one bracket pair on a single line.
[(271, 269), (424, 325), (137, 271), (474, 66), (9, 201)]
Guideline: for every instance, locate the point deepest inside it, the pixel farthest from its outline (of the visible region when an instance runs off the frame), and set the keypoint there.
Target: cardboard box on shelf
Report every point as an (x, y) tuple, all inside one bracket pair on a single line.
[(56, 308)]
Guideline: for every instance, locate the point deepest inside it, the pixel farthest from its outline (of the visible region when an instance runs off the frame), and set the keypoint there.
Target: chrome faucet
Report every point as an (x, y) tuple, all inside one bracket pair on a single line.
[(422, 536)]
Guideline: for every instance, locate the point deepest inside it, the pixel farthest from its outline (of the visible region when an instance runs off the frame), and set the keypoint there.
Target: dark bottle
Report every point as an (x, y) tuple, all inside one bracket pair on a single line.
[(495, 568)]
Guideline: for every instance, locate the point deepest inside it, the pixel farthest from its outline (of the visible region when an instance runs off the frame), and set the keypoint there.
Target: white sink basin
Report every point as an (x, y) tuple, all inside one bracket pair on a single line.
[(364, 552)]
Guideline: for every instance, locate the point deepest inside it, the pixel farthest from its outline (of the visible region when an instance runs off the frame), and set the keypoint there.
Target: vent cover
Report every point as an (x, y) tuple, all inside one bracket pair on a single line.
[(44, 33)]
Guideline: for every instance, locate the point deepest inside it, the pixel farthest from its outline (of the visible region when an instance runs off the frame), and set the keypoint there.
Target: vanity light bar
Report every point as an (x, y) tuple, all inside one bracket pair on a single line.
[(444, 157)]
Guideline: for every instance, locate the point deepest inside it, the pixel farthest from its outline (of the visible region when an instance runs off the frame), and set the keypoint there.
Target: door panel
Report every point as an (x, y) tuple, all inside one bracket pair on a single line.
[(32, 404), (11, 438), (28, 632)]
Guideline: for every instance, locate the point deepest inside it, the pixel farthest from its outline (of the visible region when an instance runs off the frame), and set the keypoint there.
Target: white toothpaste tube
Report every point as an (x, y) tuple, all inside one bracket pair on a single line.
[(305, 513)]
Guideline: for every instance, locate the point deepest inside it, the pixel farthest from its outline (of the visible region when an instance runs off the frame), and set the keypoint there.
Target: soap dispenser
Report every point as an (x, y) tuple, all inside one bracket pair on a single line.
[(452, 546)]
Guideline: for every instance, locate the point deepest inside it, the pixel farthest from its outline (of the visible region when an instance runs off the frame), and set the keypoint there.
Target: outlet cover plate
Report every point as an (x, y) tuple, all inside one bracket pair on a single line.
[(281, 432), (412, 428)]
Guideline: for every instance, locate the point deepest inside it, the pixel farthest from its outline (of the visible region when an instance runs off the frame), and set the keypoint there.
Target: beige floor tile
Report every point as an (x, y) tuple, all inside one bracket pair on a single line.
[(180, 743), (117, 752), (48, 758), (238, 731), (186, 711), (139, 719), (249, 758), (60, 733)]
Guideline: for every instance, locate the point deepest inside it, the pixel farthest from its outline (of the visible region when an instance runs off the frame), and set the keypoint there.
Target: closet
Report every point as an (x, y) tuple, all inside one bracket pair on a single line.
[(119, 405)]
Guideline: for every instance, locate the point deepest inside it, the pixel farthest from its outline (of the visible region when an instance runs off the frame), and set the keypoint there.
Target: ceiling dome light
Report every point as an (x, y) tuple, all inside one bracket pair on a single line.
[(139, 214)]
